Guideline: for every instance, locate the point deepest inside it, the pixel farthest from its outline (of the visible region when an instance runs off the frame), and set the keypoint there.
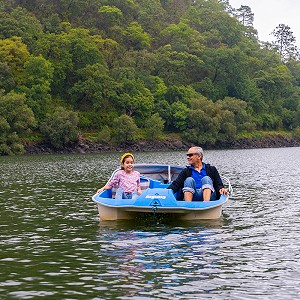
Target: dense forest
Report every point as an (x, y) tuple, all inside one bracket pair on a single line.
[(119, 71)]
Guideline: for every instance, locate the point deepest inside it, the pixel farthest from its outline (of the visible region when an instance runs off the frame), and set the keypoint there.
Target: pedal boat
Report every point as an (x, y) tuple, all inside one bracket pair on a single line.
[(157, 199)]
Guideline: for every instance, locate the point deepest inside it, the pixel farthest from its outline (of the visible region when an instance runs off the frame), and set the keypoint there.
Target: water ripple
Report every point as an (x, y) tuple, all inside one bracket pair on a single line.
[(54, 247)]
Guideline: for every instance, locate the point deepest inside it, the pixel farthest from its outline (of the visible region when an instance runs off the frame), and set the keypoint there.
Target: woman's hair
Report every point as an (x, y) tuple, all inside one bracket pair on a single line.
[(124, 156)]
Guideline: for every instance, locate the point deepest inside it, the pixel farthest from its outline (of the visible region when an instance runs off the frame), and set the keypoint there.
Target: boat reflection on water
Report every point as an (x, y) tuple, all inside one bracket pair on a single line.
[(137, 248)]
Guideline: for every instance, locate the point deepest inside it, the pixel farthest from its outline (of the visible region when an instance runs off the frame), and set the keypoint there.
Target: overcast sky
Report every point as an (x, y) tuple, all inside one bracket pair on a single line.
[(268, 14)]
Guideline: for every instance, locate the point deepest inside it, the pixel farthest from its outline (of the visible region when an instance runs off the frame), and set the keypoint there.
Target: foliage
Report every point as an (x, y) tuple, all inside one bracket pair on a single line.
[(195, 68), (296, 133), (154, 127), (94, 88), (134, 99), (38, 74), (285, 42), (104, 136), (113, 13), (124, 130), (275, 84), (179, 113), (15, 118), (20, 22), (181, 37), (297, 117), (245, 15), (239, 116), (135, 37), (14, 53), (7, 82), (60, 128)]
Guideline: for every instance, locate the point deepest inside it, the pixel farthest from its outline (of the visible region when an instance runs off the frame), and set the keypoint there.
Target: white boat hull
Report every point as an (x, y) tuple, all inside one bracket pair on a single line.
[(107, 213)]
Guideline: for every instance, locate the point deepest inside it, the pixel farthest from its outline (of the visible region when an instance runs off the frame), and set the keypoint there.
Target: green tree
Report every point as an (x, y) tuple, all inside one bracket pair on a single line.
[(53, 24), (296, 122), (134, 99), (208, 122), (56, 49), (226, 6), (104, 136), (202, 128), (285, 42), (129, 8), (14, 53), (60, 128), (134, 37), (228, 128), (214, 24), (176, 8), (109, 16), (157, 87), (21, 23), (179, 112), (240, 116), (69, 52), (296, 133), (275, 85), (140, 63), (37, 84), (178, 68), (288, 117), (181, 37), (151, 16), (7, 82), (154, 127), (226, 70), (269, 121), (244, 15), (294, 67), (180, 93), (124, 130), (138, 37), (94, 89), (163, 108), (84, 48), (15, 118)]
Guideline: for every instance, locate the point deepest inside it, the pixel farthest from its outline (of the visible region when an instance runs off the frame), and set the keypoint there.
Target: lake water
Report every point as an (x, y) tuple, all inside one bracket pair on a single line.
[(53, 245)]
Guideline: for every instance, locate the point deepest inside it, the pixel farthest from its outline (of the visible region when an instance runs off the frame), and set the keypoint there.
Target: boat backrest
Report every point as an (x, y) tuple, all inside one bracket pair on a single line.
[(162, 173), (144, 185)]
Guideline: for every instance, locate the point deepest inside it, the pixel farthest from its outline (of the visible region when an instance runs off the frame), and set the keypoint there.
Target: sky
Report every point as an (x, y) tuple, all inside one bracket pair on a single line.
[(268, 14)]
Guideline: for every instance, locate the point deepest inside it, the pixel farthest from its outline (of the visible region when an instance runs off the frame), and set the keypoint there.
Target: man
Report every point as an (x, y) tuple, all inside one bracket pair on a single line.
[(199, 181)]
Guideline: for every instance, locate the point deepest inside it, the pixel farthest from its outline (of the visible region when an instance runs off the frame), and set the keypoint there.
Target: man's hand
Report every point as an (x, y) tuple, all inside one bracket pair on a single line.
[(223, 191)]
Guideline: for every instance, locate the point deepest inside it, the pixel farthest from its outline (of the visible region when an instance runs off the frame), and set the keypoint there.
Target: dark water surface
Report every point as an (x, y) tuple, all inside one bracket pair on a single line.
[(54, 247)]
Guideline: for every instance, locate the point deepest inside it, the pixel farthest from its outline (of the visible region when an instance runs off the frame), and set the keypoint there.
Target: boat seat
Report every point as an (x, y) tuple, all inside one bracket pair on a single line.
[(145, 183)]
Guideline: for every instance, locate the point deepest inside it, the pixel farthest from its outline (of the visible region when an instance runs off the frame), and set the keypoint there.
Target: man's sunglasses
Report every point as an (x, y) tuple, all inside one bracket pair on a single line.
[(190, 154)]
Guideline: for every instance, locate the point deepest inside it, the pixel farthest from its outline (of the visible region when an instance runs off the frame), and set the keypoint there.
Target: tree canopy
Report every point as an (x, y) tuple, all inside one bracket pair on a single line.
[(195, 68)]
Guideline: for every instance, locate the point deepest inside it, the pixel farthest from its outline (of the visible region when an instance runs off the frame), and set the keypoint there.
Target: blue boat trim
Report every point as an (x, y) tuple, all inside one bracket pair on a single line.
[(163, 198)]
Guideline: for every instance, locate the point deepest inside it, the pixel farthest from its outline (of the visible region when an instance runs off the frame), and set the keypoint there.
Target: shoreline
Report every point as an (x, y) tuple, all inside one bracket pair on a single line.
[(85, 146)]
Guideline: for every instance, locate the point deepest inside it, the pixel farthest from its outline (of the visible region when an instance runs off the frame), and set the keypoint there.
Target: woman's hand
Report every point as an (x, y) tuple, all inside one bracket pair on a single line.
[(100, 190)]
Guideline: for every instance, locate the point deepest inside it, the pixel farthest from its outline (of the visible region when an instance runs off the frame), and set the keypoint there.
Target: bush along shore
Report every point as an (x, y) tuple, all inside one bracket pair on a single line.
[(86, 146)]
